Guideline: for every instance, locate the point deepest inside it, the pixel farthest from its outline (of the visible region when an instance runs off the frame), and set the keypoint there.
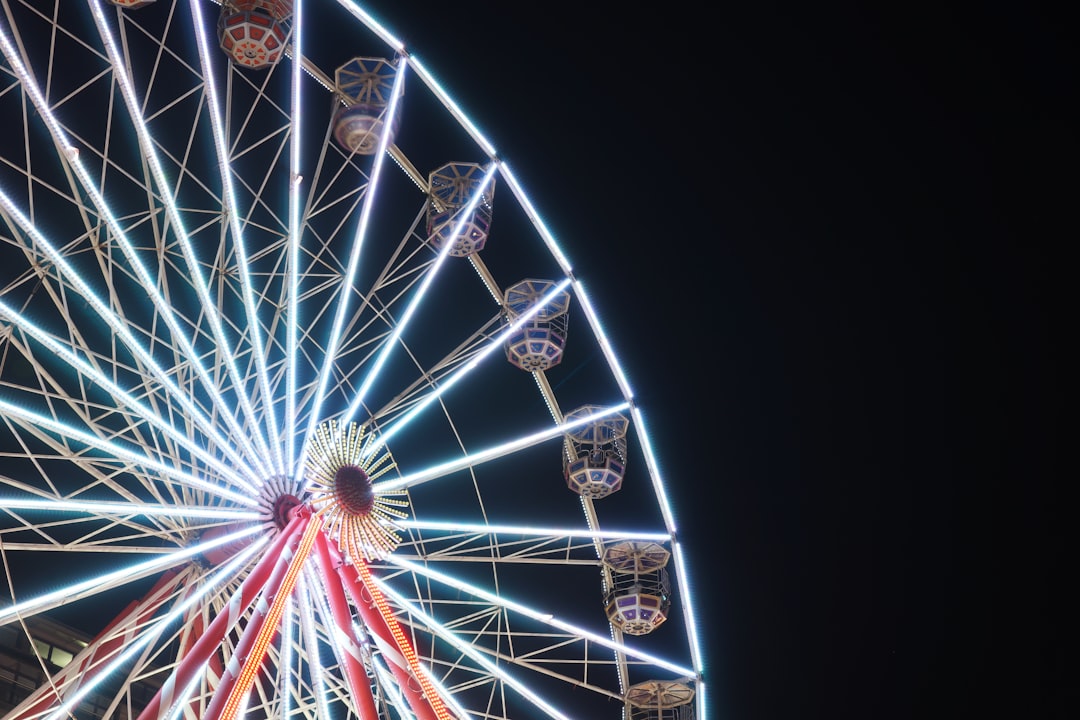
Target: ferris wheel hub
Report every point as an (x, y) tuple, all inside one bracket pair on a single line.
[(282, 509), (352, 488)]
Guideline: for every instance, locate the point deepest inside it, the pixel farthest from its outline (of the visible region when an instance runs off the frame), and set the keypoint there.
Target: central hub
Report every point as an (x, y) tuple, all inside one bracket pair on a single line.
[(352, 490), (282, 508)]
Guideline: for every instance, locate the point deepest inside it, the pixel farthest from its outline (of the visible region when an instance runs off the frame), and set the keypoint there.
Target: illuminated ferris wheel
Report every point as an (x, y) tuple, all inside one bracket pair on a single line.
[(303, 411)]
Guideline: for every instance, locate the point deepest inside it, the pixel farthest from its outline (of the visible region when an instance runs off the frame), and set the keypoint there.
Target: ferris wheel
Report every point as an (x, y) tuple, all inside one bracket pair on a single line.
[(303, 410)]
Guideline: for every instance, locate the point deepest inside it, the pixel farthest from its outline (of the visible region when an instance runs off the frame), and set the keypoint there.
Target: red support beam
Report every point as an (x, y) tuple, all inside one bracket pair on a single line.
[(359, 685), (395, 649), (201, 652), (195, 625), (260, 631)]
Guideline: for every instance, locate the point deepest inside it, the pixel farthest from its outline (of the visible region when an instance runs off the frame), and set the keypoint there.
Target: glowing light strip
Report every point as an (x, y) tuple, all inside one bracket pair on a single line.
[(318, 680), (123, 508), (688, 610), (354, 260), (538, 531), (270, 625), (469, 651), (120, 453), (88, 548), (452, 108), (389, 344), (495, 344), (295, 228), (433, 698), (226, 572), (654, 472), (373, 25), (659, 490), (118, 394), (82, 589), (180, 706), (392, 691), (530, 211), (147, 282), (232, 210), (493, 453), (602, 340), (546, 618), (198, 282), (286, 658)]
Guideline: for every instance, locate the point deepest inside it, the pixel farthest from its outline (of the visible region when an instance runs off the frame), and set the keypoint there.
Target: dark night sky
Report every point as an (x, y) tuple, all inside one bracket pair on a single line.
[(825, 241)]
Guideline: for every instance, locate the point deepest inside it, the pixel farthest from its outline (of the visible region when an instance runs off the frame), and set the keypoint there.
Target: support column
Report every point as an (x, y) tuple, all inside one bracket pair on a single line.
[(260, 631), (359, 685), (200, 653), (392, 642)]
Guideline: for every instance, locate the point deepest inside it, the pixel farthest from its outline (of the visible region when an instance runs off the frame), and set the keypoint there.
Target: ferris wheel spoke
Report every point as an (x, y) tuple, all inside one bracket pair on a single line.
[(116, 453), (292, 255), (462, 372), (500, 600), (342, 310), (233, 214), (489, 542), (85, 547), (474, 348), (419, 296), (198, 281), (125, 509), (287, 659), (118, 534), (94, 489), (320, 675), (493, 453), (96, 585), (92, 535)]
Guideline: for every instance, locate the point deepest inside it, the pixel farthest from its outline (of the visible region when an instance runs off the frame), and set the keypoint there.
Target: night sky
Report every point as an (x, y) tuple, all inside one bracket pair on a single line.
[(825, 240)]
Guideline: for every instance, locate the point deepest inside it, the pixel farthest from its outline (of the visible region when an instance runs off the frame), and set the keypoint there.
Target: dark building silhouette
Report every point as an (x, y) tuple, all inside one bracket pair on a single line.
[(51, 646)]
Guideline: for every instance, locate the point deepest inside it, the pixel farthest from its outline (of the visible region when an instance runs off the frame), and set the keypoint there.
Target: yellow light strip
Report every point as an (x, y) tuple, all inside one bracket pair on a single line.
[(432, 696), (270, 626)]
